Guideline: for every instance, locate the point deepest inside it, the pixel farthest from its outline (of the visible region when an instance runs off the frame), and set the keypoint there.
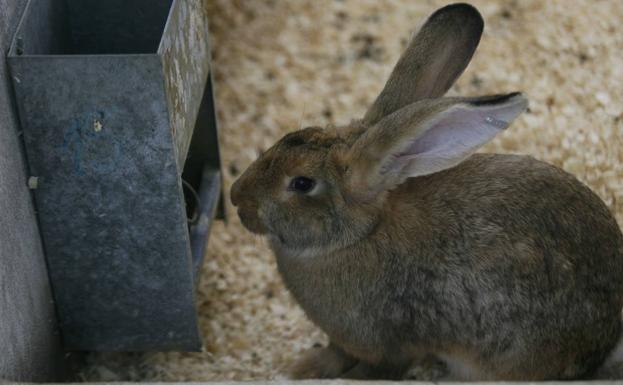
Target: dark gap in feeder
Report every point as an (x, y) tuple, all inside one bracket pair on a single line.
[(94, 27), (201, 179)]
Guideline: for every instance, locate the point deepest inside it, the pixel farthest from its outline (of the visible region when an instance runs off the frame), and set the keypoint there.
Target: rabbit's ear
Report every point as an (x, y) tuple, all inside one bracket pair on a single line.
[(435, 57), (426, 137)]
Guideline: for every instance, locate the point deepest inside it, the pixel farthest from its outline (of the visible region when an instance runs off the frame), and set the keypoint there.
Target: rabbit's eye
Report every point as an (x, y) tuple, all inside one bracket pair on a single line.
[(302, 184)]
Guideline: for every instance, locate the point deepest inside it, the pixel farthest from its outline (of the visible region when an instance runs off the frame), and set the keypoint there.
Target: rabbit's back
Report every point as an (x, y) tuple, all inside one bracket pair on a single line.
[(492, 204), (508, 254)]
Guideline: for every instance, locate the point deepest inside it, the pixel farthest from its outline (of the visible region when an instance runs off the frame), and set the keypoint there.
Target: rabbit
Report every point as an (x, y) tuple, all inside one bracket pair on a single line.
[(405, 246)]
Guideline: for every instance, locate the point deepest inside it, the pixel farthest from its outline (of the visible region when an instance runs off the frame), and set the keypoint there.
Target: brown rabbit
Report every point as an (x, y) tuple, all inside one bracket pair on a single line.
[(405, 248)]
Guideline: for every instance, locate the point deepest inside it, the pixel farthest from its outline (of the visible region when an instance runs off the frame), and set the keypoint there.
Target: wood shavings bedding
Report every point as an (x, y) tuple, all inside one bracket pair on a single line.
[(280, 65)]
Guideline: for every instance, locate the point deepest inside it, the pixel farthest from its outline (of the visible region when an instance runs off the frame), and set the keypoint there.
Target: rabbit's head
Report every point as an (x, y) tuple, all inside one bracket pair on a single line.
[(319, 189)]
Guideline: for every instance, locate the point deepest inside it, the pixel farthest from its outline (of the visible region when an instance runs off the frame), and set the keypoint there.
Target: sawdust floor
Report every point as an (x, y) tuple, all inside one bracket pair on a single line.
[(280, 65)]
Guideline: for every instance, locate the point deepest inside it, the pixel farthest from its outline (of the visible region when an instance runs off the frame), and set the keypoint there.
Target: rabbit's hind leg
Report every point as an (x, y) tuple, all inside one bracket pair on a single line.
[(322, 362), (366, 371)]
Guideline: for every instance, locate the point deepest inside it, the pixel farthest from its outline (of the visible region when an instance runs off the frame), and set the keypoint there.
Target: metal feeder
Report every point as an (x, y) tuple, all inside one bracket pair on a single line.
[(116, 106)]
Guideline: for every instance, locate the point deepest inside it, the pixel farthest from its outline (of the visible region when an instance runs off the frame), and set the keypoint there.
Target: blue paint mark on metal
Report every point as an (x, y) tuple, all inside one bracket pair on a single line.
[(87, 135), (71, 143)]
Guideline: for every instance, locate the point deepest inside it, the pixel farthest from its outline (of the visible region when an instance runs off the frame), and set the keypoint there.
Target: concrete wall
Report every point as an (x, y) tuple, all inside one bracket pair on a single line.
[(29, 341)]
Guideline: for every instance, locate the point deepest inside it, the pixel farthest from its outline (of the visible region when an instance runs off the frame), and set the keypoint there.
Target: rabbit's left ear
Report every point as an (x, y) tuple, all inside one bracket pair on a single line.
[(426, 137), (432, 61)]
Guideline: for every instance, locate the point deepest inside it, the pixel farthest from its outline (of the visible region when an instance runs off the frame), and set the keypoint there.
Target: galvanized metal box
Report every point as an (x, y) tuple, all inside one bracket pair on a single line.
[(111, 96)]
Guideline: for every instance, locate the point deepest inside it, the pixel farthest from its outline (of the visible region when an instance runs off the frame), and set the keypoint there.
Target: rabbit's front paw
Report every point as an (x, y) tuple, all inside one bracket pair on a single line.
[(329, 362)]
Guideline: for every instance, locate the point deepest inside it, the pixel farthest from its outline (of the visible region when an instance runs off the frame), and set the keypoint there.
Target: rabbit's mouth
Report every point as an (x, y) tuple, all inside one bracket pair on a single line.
[(251, 222)]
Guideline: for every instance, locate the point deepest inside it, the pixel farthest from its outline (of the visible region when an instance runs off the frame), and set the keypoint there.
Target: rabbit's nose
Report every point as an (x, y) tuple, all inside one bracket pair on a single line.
[(236, 193)]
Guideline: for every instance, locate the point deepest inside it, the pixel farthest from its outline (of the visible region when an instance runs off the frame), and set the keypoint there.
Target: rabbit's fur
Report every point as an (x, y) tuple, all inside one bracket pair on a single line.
[(411, 250)]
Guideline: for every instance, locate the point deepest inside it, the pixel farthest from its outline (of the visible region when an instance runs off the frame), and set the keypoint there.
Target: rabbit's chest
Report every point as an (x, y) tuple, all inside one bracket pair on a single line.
[(341, 305), (345, 317)]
